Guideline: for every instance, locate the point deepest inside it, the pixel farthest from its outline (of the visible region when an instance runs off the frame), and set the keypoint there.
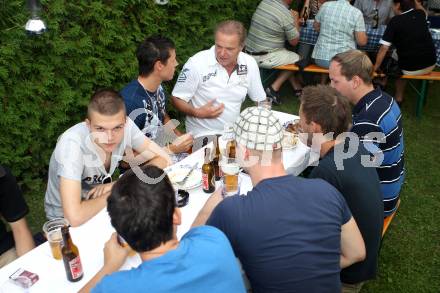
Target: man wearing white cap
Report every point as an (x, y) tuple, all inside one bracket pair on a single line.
[(291, 234)]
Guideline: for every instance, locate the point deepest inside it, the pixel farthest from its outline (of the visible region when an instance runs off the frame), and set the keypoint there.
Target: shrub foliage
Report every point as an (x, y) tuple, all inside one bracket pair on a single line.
[(46, 81)]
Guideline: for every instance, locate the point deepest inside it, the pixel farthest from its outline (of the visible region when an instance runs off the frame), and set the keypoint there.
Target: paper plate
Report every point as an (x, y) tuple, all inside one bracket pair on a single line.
[(179, 172)]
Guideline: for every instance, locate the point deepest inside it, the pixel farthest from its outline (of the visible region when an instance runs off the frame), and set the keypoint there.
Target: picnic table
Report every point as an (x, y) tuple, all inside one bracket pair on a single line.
[(92, 235)]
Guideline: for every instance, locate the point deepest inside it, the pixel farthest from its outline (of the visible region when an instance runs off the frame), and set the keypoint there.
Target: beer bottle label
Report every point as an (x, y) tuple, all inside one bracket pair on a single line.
[(76, 268), (205, 181)]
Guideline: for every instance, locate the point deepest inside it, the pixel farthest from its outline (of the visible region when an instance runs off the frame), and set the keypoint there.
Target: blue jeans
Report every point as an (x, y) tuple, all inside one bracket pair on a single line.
[(322, 63)]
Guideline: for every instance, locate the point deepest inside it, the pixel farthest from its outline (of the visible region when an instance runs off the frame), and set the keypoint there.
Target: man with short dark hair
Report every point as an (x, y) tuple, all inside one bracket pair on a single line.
[(87, 154), (377, 120), (214, 83), (145, 97), (326, 115), (291, 234), (13, 210), (146, 216)]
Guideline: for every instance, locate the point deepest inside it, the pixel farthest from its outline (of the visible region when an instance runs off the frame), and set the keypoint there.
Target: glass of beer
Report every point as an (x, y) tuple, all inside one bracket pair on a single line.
[(52, 230), (267, 104), (231, 182)]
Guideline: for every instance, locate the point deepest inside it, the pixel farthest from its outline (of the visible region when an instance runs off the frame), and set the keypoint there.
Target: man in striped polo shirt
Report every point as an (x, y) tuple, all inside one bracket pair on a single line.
[(272, 25), (374, 112)]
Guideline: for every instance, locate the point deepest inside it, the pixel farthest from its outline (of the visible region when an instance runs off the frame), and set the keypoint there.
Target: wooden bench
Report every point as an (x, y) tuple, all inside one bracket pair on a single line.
[(421, 92), (387, 220)]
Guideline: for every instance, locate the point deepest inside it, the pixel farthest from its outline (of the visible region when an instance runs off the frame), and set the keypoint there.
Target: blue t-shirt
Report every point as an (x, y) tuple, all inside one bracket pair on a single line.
[(203, 262), (287, 234), (151, 107)]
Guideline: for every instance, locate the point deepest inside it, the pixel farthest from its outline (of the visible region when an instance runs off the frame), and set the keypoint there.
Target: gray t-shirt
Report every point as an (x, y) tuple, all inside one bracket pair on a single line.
[(76, 157)]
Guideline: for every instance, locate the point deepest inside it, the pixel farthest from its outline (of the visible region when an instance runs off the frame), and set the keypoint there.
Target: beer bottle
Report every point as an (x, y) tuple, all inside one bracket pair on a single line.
[(216, 160), (376, 18), (208, 178), (305, 15), (230, 149), (72, 262)]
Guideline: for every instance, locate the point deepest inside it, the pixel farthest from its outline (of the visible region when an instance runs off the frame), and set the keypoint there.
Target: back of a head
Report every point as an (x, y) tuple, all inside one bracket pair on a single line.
[(405, 5), (322, 104), (151, 50), (259, 131), (355, 63), (231, 27), (140, 212), (106, 102)]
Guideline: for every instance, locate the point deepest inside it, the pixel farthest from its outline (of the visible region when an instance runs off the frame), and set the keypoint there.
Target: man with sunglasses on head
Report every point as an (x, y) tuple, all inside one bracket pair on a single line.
[(87, 154)]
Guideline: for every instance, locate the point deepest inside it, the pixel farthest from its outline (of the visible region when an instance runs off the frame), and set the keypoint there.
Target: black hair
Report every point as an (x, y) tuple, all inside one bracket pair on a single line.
[(142, 212), (152, 49)]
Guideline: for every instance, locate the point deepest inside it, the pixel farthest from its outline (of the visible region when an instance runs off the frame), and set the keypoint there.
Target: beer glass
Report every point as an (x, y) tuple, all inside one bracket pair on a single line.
[(230, 169), (267, 104), (52, 230)]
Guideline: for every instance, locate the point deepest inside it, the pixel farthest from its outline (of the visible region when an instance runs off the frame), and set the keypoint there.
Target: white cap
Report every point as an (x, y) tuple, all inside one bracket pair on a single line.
[(258, 129)]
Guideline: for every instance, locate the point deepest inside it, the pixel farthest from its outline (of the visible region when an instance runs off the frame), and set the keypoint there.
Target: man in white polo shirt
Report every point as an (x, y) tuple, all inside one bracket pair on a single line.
[(213, 83)]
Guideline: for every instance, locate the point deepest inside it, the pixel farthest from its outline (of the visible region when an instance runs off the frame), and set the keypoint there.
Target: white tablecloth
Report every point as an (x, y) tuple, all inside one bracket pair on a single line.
[(91, 236)]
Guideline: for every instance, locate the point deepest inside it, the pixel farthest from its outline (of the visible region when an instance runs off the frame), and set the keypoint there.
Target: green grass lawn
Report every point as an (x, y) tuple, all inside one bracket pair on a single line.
[(410, 253)]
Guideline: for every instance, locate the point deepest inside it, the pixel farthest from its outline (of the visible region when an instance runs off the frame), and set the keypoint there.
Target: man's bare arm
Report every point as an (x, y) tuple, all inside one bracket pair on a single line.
[(78, 211), (207, 209), (209, 110), (352, 244), (22, 236)]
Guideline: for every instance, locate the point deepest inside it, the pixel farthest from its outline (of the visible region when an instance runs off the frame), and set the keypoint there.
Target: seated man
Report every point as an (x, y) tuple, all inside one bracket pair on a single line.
[(145, 98), (326, 115), (87, 154), (375, 12), (375, 112), (291, 234), (340, 26), (213, 83), (13, 209), (271, 26), (202, 261)]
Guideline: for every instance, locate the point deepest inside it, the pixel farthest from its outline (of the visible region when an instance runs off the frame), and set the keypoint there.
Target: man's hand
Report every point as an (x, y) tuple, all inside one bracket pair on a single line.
[(207, 209), (182, 144), (100, 190), (209, 110), (114, 254)]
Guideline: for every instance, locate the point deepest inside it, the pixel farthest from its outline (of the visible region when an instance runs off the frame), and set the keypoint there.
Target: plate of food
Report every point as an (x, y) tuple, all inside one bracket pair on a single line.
[(290, 140), (178, 173), (292, 126)]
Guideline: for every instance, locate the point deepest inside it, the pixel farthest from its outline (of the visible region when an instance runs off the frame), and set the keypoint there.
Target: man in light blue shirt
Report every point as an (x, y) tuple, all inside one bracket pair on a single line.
[(146, 216)]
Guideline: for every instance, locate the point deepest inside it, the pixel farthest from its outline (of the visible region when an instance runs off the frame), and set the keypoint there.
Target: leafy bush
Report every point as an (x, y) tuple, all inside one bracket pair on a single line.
[(46, 81)]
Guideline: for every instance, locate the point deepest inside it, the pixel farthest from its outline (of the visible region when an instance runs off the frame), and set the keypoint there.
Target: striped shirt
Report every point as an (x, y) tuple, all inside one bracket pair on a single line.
[(272, 24), (338, 22), (378, 112)]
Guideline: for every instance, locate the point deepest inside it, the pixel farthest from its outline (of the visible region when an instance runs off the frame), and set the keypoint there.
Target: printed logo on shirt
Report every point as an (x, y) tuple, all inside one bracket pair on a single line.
[(96, 179), (182, 76), (209, 75), (242, 69)]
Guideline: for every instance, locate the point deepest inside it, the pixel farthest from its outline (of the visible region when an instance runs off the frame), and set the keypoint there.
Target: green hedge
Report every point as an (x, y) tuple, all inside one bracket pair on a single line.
[(46, 81)]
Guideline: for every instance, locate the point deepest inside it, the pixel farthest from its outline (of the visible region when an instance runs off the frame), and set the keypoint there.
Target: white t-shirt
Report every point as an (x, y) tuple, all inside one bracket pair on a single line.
[(76, 157), (203, 79)]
